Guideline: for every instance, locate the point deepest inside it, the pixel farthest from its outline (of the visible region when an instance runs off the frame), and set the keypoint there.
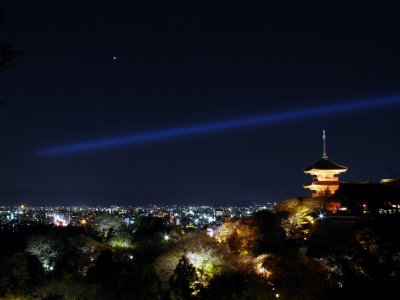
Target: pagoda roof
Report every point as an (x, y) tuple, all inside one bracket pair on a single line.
[(325, 164)]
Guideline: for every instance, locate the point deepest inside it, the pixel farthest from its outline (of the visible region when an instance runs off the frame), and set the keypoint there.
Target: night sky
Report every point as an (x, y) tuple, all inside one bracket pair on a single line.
[(188, 64)]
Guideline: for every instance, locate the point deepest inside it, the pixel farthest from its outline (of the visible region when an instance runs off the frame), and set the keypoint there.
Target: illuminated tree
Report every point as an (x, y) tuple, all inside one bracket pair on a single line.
[(206, 255), (226, 230), (46, 249), (239, 235), (290, 205), (253, 235), (122, 240), (297, 217), (106, 224), (88, 250), (207, 264), (165, 264)]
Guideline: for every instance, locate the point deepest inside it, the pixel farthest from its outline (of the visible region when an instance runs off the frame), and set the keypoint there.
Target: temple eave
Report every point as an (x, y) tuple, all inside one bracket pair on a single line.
[(322, 184)]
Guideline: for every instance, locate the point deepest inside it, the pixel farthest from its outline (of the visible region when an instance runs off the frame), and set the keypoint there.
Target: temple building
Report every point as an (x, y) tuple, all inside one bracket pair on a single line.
[(325, 174), (359, 198), (369, 198)]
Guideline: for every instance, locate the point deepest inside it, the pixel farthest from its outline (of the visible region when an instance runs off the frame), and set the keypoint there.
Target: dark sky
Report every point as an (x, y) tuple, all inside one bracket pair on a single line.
[(183, 65)]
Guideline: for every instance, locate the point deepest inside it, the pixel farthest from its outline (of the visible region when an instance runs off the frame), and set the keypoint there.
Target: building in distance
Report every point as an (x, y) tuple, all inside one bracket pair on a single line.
[(360, 198), (325, 174)]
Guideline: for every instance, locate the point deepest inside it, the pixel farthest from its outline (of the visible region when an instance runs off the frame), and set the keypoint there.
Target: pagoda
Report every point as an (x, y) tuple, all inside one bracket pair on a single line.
[(325, 174)]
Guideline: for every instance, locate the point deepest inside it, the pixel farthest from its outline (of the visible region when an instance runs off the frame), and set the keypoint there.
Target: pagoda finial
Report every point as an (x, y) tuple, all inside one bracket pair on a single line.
[(324, 145)]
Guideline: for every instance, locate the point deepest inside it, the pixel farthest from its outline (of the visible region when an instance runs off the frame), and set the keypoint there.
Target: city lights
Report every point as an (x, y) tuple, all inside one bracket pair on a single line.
[(231, 247)]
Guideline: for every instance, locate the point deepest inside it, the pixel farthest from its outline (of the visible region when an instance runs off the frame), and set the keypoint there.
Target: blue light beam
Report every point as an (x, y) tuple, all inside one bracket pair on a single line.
[(222, 125)]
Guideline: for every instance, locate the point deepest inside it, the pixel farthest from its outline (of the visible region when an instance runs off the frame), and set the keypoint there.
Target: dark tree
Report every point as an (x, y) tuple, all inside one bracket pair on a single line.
[(271, 234), (184, 281), (20, 274), (104, 274), (7, 53), (138, 282), (149, 238), (237, 286)]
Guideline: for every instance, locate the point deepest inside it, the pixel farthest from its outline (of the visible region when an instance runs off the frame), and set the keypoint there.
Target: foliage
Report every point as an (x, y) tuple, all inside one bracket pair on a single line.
[(165, 264), (138, 282), (249, 258), (20, 274), (107, 224), (252, 235), (88, 250), (46, 249), (208, 257), (149, 227), (376, 261), (149, 238), (235, 286), (291, 205), (7, 53), (122, 240), (239, 235), (184, 281), (298, 217), (296, 276), (105, 269), (58, 290)]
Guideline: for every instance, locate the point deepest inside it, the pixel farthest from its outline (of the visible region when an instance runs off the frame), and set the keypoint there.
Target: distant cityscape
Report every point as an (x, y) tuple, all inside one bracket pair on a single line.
[(12, 217)]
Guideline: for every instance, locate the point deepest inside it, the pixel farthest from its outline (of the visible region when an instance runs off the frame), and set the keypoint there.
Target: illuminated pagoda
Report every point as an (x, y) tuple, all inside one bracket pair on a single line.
[(325, 174)]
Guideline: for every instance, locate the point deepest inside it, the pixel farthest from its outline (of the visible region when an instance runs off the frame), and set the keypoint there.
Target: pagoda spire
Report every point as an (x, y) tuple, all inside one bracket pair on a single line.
[(325, 174), (324, 155)]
